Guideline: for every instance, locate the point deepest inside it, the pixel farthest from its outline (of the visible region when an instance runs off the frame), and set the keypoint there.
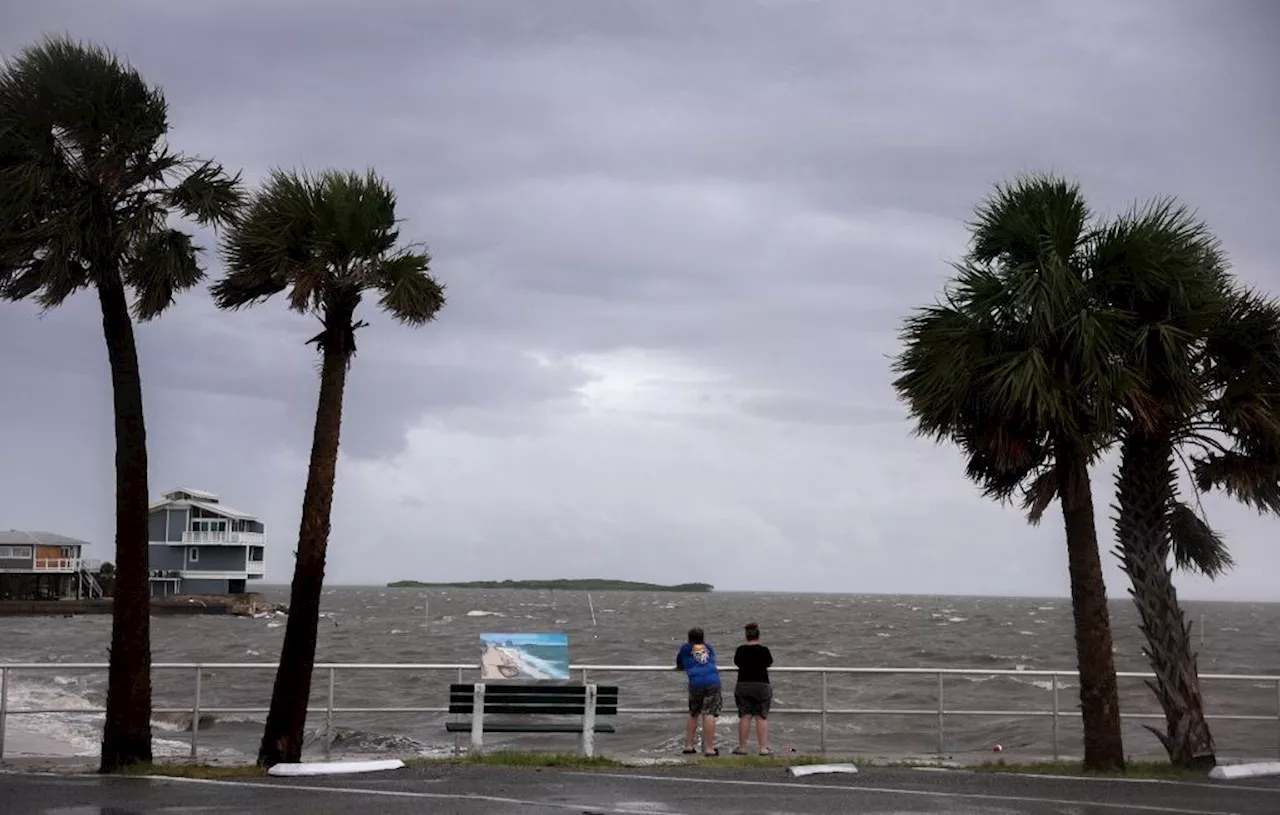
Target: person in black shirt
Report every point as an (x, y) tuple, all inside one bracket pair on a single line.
[(753, 692)]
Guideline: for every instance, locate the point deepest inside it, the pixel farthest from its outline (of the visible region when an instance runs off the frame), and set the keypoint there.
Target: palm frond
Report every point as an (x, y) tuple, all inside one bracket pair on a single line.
[(1253, 480), (208, 195), (1039, 494), (84, 171), (326, 238), (1196, 547), (163, 264), (409, 293)]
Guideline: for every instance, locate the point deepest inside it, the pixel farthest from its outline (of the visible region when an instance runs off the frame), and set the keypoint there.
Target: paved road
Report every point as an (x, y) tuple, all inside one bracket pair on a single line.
[(493, 790)]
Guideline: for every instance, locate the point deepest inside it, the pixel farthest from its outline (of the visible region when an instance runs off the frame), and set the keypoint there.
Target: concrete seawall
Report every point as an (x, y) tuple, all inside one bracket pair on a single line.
[(239, 604)]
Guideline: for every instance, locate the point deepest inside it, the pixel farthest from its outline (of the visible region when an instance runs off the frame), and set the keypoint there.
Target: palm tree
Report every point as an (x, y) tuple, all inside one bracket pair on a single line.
[(1020, 366), (87, 186), (326, 238), (1208, 362)]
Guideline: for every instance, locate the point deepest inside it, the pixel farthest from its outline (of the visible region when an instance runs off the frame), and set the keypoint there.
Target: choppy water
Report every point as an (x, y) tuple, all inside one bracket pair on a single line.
[(378, 625)]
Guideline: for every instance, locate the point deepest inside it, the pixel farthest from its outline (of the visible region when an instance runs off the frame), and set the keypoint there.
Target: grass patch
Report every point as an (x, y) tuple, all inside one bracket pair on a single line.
[(577, 761), (212, 771), (513, 758), (1134, 769)]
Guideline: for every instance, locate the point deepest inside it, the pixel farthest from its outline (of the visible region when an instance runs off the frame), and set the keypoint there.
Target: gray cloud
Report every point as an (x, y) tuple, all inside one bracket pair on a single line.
[(678, 240)]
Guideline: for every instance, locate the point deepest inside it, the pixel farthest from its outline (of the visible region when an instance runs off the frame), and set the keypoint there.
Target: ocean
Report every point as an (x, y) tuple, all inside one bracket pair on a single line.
[(382, 625)]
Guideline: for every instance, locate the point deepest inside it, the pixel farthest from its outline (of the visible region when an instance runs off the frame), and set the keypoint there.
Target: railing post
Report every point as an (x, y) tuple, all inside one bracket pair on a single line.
[(1277, 718), (195, 716), (4, 704), (584, 676), (941, 715), (477, 718), (328, 717), (822, 723), (1055, 717), (589, 722)]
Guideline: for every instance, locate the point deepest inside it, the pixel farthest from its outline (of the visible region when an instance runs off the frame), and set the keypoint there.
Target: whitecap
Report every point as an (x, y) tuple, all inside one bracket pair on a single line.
[(957, 619), (480, 613)]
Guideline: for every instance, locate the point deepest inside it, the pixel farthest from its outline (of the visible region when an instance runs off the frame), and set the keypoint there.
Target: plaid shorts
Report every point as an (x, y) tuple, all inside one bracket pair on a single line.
[(705, 701)]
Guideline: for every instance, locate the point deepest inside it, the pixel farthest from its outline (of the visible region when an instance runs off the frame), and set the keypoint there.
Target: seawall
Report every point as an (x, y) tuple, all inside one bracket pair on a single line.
[(242, 604)]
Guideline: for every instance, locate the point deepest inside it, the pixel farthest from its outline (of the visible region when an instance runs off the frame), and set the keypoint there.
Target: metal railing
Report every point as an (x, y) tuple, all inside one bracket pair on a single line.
[(823, 712), (240, 538), (66, 564)]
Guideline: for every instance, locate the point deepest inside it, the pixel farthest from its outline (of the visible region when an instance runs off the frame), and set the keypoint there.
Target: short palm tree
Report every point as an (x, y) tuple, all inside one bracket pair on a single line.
[(1207, 356), (327, 239), (1020, 367), (87, 187)]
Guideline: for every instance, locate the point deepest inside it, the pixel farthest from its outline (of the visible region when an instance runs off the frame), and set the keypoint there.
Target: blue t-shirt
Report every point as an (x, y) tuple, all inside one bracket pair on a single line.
[(699, 663)]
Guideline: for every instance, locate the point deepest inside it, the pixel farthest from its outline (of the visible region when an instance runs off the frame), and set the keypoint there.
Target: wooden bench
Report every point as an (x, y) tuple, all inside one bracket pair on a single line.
[(480, 701)]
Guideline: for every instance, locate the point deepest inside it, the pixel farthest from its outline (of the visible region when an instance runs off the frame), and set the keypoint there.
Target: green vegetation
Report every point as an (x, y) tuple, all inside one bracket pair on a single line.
[(1133, 769), (329, 240), (90, 198), (558, 585), (576, 761), (1063, 334), (212, 771)]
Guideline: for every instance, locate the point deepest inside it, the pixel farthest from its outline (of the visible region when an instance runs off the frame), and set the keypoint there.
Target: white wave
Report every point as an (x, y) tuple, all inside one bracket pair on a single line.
[(1027, 633), (274, 625), (249, 652), (479, 613), (883, 634), (1045, 608), (395, 631), (831, 654), (957, 619)]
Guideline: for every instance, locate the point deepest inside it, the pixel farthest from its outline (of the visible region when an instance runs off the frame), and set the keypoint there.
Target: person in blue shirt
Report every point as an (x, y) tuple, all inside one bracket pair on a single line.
[(698, 660)]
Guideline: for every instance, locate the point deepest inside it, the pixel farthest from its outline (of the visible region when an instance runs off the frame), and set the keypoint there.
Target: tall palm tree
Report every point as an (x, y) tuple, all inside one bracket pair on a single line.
[(1207, 359), (328, 239), (87, 187), (1021, 367)]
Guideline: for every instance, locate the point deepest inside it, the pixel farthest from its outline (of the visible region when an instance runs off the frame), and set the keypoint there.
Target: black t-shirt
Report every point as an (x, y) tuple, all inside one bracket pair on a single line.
[(753, 662)]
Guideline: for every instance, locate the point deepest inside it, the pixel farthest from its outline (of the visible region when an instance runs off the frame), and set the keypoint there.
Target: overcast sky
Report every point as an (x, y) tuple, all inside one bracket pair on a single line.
[(678, 238)]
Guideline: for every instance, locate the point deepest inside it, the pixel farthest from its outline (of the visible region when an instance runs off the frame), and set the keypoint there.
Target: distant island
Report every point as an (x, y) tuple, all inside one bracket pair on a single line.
[(557, 585)]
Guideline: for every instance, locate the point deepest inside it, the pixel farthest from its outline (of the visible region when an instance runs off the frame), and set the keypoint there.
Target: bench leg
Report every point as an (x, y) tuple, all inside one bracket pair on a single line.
[(589, 723), (477, 718)]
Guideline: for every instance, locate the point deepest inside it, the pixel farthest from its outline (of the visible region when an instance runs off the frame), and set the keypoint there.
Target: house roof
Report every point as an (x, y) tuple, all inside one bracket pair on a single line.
[(197, 494), (223, 509), (17, 537)]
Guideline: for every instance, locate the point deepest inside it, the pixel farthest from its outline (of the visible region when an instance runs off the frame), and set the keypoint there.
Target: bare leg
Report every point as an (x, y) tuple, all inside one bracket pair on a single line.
[(709, 734), (690, 731), (744, 732), (762, 734)]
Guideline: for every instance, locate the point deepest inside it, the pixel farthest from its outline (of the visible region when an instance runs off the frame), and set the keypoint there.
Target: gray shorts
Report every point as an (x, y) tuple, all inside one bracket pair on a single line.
[(753, 698), (705, 701)]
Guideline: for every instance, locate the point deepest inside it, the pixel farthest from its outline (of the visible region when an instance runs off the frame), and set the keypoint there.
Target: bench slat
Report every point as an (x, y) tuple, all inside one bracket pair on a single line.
[(610, 701), (535, 690), (531, 710), (495, 727)]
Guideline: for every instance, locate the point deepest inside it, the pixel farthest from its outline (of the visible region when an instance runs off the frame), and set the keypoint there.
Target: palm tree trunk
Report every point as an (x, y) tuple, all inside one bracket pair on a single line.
[(286, 722), (126, 735), (1145, 491), (1099, 697)]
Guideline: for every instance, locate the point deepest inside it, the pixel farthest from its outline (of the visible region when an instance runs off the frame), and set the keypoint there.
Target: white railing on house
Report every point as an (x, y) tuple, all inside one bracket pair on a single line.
[(585, 672), (224, 538), (66, 564), (255, 567)]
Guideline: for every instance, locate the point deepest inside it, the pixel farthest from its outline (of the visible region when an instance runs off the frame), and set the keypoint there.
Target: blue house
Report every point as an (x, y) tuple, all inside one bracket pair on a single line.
[(201, 546)]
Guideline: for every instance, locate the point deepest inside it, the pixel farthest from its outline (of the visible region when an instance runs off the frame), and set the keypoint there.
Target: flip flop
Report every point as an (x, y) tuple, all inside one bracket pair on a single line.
[(766, 752), (690, 752), (712, 754), (739, 752)]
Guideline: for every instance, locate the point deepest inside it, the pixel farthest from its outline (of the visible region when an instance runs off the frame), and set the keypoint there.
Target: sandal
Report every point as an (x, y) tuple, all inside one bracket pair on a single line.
[(738, 751), (689, 751), (712, 754), (766, 752)]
